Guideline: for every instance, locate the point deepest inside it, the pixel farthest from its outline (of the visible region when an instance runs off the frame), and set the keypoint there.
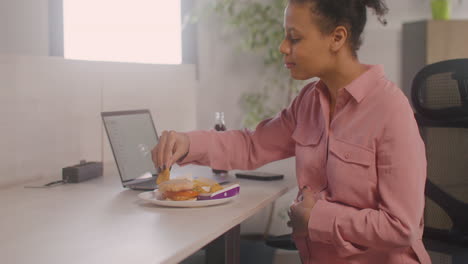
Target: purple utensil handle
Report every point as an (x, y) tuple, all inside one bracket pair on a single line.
[(225, 193)]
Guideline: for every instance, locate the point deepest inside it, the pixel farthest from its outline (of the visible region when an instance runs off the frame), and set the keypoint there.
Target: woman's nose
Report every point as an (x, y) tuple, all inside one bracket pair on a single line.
[(283, 48)]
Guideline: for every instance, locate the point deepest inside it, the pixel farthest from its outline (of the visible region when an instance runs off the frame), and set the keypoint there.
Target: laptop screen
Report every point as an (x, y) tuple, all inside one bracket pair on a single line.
[(132, 136)]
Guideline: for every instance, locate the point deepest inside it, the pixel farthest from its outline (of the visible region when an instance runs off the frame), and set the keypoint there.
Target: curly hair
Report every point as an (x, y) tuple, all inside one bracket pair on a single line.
[(348, 13)]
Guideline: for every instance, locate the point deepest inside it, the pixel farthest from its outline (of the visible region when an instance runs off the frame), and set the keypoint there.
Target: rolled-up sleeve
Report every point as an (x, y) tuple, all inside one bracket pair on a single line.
[(401, 170), (246, 149)]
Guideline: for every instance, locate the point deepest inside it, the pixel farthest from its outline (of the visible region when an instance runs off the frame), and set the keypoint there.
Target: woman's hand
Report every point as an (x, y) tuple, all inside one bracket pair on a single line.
[(172, 146), (299, 213)]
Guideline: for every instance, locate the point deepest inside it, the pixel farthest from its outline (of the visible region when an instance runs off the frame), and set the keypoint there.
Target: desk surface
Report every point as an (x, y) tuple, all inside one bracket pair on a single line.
[(98, 221)]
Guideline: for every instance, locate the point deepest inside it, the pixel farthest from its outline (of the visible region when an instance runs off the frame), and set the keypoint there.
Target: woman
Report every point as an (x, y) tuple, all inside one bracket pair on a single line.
[(360, 161)]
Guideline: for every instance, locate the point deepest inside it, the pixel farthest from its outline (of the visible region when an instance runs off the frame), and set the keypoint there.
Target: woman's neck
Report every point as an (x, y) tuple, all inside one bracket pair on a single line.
[(345, 71)]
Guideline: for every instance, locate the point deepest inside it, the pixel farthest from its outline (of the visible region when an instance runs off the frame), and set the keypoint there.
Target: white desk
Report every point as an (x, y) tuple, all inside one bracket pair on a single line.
[(98, 221)]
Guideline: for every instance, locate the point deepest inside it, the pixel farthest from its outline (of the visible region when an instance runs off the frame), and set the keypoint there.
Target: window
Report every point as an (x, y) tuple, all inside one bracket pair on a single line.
[(141, 31)]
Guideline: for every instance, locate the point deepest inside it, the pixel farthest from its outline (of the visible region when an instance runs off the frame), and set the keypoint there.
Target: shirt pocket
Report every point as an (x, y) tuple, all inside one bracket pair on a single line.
[(310, 137), (310, 130), (349, 171), (310, 158)]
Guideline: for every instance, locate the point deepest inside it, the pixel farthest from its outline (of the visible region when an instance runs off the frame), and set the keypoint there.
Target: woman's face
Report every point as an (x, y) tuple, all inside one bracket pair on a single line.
[(306, 50)]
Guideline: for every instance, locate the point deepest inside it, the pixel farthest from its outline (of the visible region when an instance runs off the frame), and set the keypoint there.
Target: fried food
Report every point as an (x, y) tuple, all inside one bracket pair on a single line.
[(176, 185), (181, 195), (163, 176), (178, 190), (215, 188), (185, 189), (205, 185)]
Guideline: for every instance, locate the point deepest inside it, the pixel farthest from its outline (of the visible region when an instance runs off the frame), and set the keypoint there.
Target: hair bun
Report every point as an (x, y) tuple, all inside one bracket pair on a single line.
[(379, 7)]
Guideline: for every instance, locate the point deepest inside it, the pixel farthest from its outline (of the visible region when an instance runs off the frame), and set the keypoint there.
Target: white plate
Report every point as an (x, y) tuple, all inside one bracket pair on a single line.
[(152, 197)]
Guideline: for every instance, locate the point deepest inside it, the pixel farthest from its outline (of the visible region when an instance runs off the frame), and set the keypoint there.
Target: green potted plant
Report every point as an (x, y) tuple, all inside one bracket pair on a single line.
[(260, 27), (441, 9)]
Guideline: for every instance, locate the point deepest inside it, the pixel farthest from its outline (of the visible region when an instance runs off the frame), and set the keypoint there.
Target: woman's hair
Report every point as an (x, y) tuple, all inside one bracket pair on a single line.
[(348, 13)]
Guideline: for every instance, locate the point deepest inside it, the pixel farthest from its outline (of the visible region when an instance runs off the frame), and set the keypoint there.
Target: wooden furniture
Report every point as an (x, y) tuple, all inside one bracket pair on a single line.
[(429, 41)]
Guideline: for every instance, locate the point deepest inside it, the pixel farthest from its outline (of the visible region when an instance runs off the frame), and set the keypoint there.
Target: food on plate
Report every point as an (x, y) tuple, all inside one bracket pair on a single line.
[(183, 189), (225, 192), (178, 190), (205, 185), (163, 176)]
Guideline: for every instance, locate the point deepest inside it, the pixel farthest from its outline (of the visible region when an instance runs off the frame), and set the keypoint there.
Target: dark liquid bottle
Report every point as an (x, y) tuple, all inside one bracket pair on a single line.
[(219, 126)]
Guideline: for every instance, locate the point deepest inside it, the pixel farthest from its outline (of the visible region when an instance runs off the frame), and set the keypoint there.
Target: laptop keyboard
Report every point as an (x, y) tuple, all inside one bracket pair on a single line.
[(144, 185)]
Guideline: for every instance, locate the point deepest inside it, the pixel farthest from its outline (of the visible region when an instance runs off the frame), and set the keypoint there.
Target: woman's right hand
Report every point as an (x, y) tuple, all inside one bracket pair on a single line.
[(172, 146)]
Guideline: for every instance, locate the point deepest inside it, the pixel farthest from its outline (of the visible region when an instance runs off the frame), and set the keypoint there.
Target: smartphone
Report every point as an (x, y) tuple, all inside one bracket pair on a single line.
[(259, 176)]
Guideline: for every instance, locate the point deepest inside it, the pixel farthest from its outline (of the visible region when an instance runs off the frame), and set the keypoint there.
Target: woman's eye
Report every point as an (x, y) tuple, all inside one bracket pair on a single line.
[(294, 40)]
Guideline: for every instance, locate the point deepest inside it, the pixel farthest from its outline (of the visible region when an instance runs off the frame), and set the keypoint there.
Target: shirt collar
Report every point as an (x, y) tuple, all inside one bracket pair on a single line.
[(362, 85)]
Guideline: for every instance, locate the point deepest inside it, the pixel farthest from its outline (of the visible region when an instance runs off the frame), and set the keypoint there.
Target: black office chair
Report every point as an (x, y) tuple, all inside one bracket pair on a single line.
[(282, 242), (439, 94)]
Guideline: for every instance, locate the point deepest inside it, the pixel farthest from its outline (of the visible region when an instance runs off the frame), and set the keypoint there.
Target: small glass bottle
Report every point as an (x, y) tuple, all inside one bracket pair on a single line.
[(220, 125)]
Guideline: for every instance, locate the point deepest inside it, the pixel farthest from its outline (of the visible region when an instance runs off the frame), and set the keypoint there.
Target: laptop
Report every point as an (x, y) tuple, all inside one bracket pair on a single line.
[(132, 135)]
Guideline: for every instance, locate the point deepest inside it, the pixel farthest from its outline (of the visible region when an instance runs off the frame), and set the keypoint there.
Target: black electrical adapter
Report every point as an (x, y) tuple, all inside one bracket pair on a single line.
[(82, 172)]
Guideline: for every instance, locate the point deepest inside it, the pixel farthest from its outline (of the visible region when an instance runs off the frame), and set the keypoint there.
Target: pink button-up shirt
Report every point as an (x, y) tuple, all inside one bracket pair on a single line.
[(367, 167)]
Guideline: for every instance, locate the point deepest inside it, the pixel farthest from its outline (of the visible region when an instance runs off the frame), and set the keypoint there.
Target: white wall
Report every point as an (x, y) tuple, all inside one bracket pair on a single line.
[(51, 109), (24, 27), (225, 73)]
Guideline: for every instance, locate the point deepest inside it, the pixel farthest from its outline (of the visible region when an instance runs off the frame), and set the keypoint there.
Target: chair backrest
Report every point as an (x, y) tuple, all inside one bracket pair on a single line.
[(439, 95)]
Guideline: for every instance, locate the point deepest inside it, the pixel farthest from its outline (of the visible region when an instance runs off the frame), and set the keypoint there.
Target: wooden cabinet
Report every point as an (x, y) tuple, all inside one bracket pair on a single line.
[(430, 41)]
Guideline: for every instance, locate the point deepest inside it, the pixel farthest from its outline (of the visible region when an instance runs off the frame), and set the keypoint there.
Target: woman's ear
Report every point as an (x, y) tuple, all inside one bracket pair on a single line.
[(339, 37)]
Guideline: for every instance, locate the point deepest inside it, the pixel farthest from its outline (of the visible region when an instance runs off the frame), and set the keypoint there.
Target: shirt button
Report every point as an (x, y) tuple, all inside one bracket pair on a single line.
[(346, 156)]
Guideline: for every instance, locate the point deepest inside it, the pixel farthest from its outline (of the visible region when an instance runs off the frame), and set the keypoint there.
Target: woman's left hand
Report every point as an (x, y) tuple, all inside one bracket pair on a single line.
[(299, 213)]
